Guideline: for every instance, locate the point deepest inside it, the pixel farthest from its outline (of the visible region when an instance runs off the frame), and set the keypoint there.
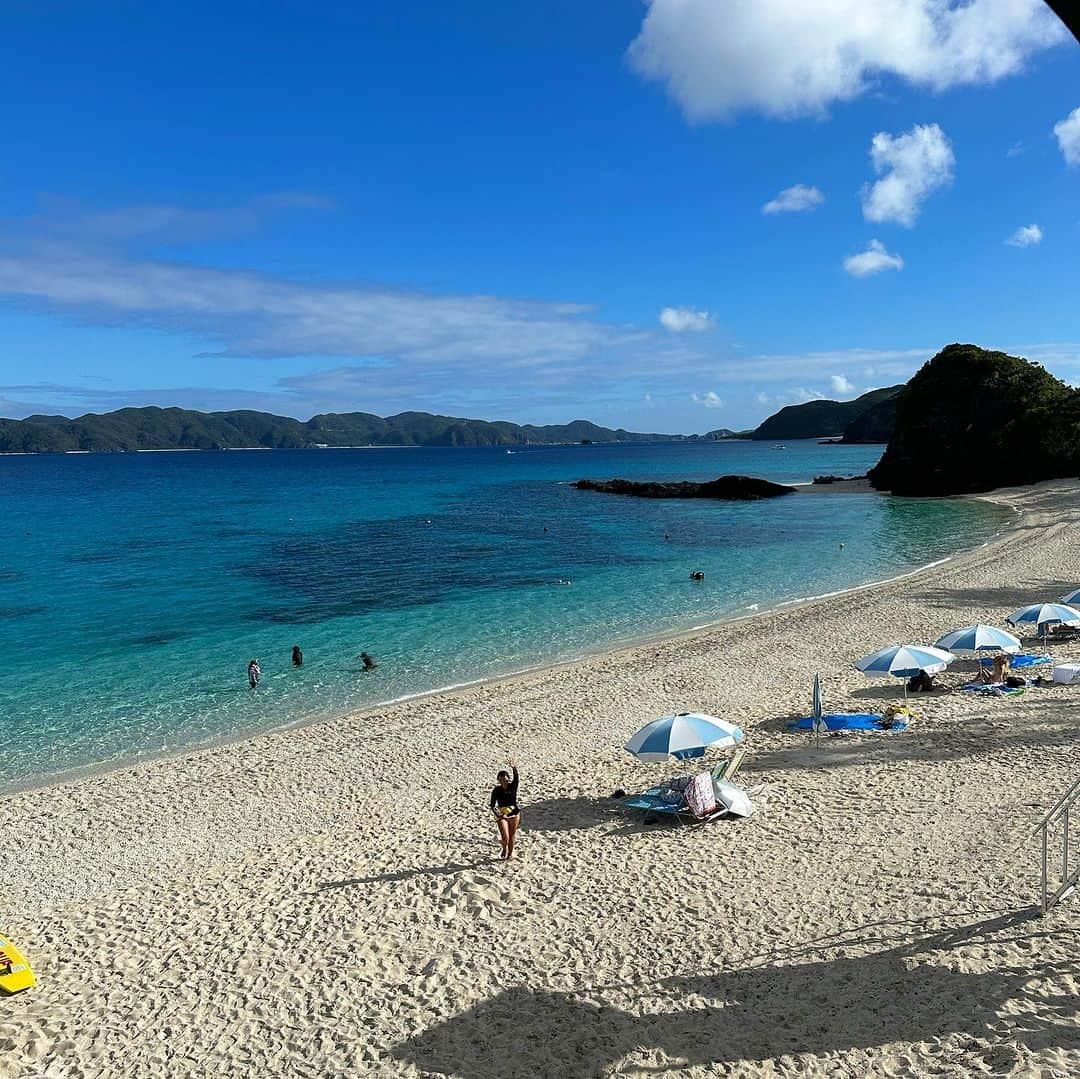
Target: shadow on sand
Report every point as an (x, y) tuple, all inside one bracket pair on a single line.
[(568, 814), (756, 1013), (1008, 597), (1030, 726)]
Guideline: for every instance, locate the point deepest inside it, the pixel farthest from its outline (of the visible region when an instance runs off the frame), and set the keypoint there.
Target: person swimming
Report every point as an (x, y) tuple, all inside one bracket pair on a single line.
[(297, 656), (368, 661), (697, 575), (505, 807), (254, 673)]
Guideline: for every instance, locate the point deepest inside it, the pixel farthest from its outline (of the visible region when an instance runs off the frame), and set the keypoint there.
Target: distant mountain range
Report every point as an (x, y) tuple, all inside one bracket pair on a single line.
[(153, 428), (868, 418)]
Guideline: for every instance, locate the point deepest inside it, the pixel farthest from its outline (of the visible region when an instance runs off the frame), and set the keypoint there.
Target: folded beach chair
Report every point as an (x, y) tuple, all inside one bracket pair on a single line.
[(691, 799), (725, 771), (656, 800)]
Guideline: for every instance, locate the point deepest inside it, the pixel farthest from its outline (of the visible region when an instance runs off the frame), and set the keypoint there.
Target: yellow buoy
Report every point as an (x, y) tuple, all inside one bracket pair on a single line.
[(15, 972)]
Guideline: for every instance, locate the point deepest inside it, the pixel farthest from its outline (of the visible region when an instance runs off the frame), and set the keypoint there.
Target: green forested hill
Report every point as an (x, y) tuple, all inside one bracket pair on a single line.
[(820, 419), (971, 420), (155, 428)]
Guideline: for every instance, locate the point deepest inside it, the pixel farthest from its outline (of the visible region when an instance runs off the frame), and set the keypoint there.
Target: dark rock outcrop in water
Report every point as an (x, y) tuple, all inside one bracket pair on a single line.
[(731, 488), (825, 480), (971, 420)]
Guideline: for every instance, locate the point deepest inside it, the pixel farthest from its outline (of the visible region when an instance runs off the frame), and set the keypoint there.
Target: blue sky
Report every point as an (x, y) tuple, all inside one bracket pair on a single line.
[(534, 213)]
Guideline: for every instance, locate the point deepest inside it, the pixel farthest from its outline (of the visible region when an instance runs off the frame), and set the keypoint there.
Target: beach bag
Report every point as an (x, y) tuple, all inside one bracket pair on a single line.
[(700, 796)]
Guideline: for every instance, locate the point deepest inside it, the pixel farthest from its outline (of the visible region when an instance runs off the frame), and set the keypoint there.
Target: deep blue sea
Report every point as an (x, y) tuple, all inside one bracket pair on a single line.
[(134, 588)]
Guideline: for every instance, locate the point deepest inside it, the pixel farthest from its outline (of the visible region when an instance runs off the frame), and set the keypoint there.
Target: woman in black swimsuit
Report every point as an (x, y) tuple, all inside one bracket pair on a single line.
[(507, 811)]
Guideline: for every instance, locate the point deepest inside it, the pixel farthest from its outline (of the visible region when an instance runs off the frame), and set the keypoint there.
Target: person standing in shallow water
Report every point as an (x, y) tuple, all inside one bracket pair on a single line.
[(297, 656), (254, 673), (368, 661), (504, 806)]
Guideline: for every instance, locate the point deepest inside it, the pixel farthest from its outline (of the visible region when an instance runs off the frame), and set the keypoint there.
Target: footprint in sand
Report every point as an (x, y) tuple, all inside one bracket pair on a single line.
[(478, 895)]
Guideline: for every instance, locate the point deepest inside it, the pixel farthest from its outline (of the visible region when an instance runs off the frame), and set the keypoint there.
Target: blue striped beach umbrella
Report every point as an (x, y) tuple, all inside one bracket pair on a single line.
[(1045, 614), (971, 640), (1072, 599), (683, 736), (905, 661)]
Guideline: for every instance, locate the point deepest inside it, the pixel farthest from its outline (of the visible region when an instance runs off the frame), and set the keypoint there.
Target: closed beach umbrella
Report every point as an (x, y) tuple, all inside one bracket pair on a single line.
[(1045, 614), (817, 719), (734, 800), (1072, 599), (971, 640), (686, 735)]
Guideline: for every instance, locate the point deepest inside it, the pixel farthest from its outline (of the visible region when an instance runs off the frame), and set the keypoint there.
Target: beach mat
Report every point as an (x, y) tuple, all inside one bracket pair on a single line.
[(1017, 662), (998, 690), (843, 721)]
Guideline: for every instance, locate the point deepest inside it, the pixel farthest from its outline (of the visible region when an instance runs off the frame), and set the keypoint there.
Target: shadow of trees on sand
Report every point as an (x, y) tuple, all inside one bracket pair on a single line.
[(752, 1014)]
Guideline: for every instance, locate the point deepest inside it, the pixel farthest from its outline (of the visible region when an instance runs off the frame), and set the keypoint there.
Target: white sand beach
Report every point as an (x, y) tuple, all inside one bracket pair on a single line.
[(327, 900)]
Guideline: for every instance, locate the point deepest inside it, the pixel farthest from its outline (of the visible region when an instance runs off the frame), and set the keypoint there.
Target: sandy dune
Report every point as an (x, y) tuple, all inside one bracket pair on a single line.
[(325, 901)]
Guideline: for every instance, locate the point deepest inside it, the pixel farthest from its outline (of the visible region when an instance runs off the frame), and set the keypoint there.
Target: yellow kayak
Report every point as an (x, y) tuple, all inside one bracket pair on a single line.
[(15, 972)]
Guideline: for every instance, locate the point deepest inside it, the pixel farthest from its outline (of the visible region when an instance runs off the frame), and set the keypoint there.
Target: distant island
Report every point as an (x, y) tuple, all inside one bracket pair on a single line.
[(730, 488), (868, 418), (153, 428)]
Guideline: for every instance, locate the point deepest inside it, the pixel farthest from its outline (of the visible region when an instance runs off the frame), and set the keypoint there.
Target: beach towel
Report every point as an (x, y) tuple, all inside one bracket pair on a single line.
[(856, 721), (1020, 661), (997, 689), (700, 796)]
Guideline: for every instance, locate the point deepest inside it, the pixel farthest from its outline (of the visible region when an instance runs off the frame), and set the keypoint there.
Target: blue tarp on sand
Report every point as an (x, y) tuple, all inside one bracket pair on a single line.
[(1017, 662), (843, 721)]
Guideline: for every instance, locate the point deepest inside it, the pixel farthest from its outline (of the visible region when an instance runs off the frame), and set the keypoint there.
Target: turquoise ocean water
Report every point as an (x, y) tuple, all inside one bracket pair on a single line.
[(134, 588)]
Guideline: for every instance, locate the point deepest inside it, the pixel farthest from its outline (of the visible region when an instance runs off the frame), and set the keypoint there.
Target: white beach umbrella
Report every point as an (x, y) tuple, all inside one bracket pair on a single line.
[(971, 640), (735, 800), (1045, 614), (682, 736)]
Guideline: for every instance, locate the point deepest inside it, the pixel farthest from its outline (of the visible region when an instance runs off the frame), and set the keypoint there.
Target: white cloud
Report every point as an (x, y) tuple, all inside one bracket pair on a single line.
[(1026, 236), (709, 400), (1068, 137), (840, 384), (801, 395), (258, 315), (685, 319), (873, 260), (914, 165), (790, 58), (1016, 149), (398, 348), (794, 199), (763, 398), (70, 220)]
